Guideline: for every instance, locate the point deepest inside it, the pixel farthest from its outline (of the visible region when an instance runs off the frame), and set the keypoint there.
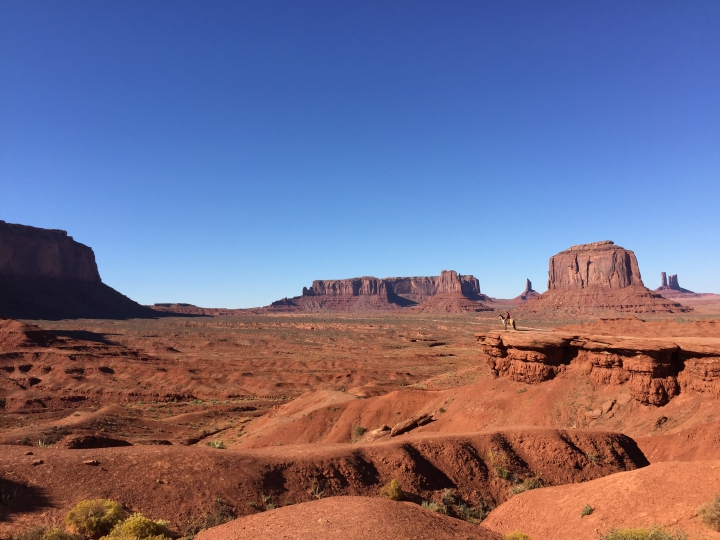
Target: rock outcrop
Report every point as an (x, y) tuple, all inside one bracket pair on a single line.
[(448, 292), (528, 294), (671, 286), (654, 369), (597, 278), (45, 274)]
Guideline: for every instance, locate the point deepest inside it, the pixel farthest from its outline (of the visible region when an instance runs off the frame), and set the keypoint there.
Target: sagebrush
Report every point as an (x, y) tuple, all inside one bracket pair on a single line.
[(95, 517), (392, 490), (653, 533), (710, 513), (140, 527)]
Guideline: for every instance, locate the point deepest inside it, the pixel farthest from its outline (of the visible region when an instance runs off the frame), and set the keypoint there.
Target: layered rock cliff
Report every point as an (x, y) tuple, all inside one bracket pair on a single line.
[(655, 369), (45, 274), (448, 292), (597, 278)]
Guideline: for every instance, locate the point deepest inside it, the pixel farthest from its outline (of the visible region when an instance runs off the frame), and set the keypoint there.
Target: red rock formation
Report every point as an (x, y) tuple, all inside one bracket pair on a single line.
[(448, 292), (686, 358), (29, 251), (45, 274), (528, 294), (597, 278)]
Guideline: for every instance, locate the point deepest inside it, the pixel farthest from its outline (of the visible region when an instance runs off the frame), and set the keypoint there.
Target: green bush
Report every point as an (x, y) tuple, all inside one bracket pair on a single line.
[(95, 517), (392, 490), (710, 513), (139, 527), (653, 533), (217, 444), (434, 507), (586, 510), (448, 497), (358, 431), (41, 533), (517, 535)]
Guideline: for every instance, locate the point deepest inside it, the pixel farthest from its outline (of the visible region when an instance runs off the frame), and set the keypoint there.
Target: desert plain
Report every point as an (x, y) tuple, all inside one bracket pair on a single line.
[(291, 420)]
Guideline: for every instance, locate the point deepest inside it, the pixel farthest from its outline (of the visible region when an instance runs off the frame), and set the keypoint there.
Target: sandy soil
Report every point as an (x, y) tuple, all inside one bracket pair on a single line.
[(306, 404), (666, 494)]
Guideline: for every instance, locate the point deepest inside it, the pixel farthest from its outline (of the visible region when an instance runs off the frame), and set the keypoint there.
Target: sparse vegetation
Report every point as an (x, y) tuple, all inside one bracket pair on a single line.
[(653, 533), (522, 390), (217, 444), (358, 431), (710, 513), (222, 513), (138, 527), (315, 489), (586, 510), (517, 535), (41, 533), (95, 517), (593, 457), (392, 490), (531, 482), (448, 497), (435, 507)]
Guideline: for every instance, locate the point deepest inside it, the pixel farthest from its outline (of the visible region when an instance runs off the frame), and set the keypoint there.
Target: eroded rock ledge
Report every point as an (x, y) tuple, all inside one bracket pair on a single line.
[(655, 369)]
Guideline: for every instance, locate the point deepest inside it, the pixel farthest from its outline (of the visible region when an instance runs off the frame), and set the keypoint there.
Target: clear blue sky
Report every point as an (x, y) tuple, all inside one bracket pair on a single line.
[(227, 153)]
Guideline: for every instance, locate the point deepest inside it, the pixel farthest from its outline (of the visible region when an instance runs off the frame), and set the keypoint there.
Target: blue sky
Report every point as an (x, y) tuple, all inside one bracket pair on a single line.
[(228, 153)]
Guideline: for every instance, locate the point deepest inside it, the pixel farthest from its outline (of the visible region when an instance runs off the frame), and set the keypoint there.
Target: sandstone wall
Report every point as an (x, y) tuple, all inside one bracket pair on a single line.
[(33, 252), (600, 264)]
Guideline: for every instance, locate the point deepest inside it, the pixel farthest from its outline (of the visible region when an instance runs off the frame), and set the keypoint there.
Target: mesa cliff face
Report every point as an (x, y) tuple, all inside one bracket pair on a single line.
[(600, 264), (33, 252), (448, 292), (597, 278), (45, 274)]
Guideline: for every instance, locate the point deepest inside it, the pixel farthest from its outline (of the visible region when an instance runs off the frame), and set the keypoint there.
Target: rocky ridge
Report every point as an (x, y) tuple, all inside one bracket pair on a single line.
[(654, 369)]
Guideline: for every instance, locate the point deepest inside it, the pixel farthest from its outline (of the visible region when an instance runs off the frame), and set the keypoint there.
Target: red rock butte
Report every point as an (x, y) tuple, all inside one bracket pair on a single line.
[(449, 292), (45, 274), (598, 277)]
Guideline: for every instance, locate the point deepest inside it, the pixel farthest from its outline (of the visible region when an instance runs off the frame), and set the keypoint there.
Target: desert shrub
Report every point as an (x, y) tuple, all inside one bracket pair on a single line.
[(434, 507), (448, 497), (710, 513), (95, 517), (139, 527), (501, 472), (653, 533), (41, 533), (468, 513), (222, 513), (586, 510), (517, 535), (531, 482), (392, 490), (358, 431), (216, 444)]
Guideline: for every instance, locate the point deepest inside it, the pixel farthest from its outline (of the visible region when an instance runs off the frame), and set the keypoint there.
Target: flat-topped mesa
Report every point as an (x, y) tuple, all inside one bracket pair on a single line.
[(458, 292), (45, 274), (47, 253), (597, 279), (600, 264)]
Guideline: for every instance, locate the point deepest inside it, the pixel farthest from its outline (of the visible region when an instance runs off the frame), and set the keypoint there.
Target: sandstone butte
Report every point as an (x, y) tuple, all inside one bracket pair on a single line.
[(45, 274), (596, 278), (449, 292)]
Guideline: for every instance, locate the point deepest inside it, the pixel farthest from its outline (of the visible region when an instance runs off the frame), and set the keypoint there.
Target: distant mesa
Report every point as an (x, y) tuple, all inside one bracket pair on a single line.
[(449, 292), (45, 274), (596, 277)]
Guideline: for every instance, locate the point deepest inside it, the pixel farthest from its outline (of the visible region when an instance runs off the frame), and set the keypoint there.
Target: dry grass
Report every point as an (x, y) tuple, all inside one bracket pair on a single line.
[(710, 513)]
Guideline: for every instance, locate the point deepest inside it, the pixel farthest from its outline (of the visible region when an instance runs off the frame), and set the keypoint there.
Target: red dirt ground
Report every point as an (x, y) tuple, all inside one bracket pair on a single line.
[(352, 518), (300, 401), (666, 494)]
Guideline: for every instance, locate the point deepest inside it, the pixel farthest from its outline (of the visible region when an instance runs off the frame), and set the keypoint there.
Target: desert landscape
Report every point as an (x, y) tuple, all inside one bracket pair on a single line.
[(598, 411), (378, 269)]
